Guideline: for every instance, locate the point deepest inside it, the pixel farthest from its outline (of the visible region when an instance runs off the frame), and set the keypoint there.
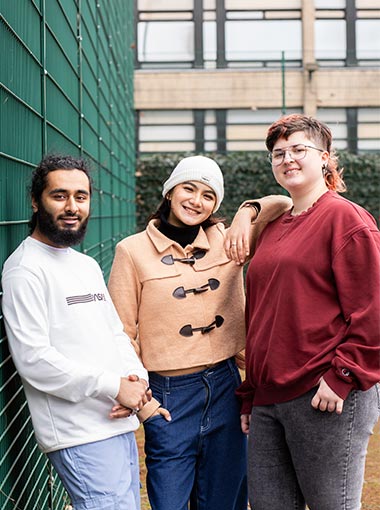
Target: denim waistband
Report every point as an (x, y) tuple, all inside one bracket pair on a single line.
[(220, 369)]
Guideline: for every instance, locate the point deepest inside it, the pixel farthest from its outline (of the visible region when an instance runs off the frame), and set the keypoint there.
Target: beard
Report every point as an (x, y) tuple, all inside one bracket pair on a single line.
[(60, 236)]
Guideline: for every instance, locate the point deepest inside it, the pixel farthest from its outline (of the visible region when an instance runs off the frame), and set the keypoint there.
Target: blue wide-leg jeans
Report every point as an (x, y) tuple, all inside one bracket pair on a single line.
[(200, 456), (298, 455)]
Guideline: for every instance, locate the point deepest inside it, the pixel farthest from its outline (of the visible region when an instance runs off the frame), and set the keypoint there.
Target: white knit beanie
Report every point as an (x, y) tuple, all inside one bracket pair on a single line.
[(197, 168)]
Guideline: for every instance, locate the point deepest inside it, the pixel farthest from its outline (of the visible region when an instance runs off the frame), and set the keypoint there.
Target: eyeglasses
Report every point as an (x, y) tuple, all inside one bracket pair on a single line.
[(296, 152)]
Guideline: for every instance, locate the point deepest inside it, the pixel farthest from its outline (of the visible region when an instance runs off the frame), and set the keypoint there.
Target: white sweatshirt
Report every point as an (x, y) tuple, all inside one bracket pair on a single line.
[(67, 343)]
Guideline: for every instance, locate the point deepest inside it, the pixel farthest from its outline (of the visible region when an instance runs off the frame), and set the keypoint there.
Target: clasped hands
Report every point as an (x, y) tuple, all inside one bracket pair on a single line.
[(133, 394)]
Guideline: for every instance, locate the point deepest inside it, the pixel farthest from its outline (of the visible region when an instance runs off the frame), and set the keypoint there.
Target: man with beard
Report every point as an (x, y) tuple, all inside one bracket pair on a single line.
[(68, 345)]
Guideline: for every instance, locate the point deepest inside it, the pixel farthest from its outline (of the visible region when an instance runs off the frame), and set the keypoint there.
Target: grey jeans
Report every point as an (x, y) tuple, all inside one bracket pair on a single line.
[(298, 455)]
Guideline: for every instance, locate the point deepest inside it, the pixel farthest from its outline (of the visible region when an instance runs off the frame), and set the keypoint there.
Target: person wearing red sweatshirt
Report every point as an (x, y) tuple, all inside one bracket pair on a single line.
[(311, 398)]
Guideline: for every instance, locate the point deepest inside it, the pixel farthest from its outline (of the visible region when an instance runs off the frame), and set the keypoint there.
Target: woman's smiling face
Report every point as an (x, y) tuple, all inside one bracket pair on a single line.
[(191, 203), (294, 174)]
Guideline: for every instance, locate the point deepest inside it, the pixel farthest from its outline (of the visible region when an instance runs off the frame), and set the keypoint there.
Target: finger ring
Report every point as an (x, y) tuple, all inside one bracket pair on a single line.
[(133, 410), (233, 244)]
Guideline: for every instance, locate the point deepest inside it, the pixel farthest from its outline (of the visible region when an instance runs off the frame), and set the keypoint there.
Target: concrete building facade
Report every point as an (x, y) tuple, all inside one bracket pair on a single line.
[(211, 75)]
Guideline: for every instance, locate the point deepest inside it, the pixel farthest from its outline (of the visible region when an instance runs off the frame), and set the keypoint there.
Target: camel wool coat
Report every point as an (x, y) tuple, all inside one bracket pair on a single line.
[(183, 307)]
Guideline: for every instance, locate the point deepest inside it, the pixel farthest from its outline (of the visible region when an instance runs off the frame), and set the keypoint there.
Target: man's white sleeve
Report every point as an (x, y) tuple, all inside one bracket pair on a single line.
[(37, 361), (131, 361)]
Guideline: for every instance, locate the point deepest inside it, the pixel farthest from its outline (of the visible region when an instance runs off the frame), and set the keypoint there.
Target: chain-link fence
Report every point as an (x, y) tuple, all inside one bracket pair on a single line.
[(66, 85)]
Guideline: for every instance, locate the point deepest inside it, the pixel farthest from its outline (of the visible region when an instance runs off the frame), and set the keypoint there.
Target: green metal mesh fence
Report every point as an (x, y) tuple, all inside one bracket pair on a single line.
[(66, 85)]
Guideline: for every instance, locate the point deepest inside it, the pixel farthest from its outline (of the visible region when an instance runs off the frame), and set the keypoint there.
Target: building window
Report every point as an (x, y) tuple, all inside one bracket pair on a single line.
[(255, 43), (210, 132), (330, 42), (330, 4), (165, 34), (217, 34), (166, 131), (252, 34), (368, 41), (170, 42), (336, 119), (209, 44), (204, 130), (368, 130), (245, 34), (246, 129), (347, 33), (331, 33), (354, 129)]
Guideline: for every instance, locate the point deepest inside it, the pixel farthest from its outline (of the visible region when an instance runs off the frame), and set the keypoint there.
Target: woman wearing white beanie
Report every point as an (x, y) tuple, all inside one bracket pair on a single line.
[(197, 168), (181, 301)]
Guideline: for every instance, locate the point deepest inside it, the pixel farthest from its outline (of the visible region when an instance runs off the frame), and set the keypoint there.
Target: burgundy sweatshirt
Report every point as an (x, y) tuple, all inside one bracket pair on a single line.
[(313, 304)]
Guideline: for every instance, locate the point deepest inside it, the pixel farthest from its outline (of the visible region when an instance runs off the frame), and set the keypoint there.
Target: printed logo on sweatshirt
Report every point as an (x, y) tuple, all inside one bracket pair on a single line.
[(85, 298)]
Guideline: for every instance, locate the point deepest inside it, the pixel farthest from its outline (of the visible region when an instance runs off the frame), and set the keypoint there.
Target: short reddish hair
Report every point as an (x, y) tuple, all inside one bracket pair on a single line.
[(315, 131)]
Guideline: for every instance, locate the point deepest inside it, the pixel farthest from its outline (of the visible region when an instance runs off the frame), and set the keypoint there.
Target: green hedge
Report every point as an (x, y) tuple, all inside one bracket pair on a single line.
[(248, 175)]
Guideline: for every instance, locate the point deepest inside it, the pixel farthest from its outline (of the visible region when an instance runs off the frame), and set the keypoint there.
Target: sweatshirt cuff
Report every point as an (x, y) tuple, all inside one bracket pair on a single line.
[(253, 203), (246, 407), (339, 386), (270, 207), (245, 393), (148, 409), (109, 384)]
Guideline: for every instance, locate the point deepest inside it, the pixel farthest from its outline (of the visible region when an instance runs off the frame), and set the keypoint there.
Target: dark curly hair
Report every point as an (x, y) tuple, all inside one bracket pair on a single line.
[(48, 164)]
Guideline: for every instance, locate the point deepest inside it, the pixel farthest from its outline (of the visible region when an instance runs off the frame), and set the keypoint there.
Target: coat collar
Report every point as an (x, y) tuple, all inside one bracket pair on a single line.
[(162, 243)]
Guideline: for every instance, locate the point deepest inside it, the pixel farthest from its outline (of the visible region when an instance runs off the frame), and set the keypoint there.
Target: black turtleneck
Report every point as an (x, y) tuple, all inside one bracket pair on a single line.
[(181, 235)]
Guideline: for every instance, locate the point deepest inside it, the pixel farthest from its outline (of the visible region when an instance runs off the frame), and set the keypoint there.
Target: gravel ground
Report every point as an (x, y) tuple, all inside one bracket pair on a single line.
[(371, 490)]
